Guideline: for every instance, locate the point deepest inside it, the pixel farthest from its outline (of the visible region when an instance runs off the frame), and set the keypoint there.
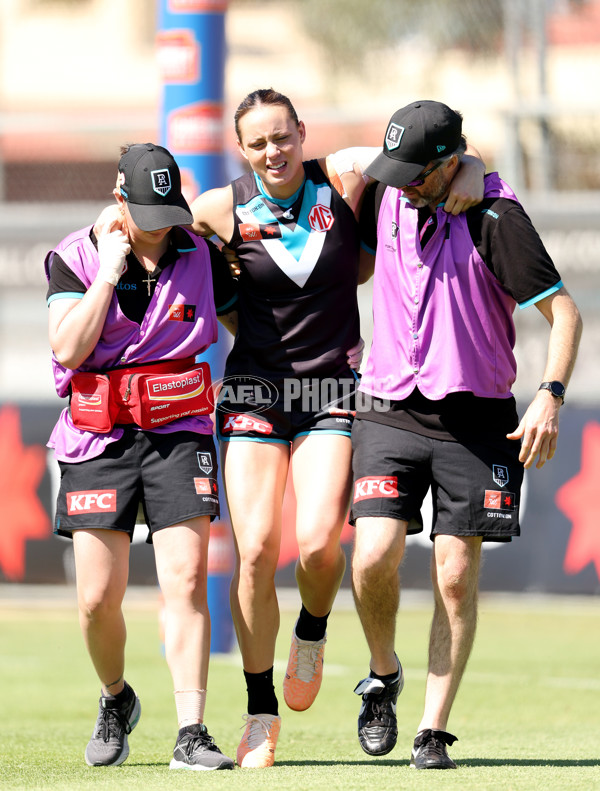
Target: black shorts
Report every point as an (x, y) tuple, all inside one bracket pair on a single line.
[(475, 486), (255, 409), (173, 477)]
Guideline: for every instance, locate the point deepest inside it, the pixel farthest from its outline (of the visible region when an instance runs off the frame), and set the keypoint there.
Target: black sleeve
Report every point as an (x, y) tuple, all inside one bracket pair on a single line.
[(367, 221), (512, 249), (63, 280), (224, 283)]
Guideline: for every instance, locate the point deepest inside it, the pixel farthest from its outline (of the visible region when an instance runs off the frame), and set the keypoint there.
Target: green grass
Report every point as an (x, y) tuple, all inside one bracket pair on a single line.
[(527, 714)]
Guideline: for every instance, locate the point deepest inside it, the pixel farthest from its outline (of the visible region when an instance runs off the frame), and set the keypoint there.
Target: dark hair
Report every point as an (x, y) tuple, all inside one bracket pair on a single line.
[(259, 97)]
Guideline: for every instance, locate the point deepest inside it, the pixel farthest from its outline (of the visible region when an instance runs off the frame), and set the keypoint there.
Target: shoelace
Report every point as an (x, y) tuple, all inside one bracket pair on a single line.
[(112, 723), (376, 710), (377, 699), (259, 728), (199, 739), (438, 740), (307, 657)]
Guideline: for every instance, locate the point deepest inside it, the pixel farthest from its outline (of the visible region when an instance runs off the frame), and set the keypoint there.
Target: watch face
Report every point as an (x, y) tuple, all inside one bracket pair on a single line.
[(557, 389)]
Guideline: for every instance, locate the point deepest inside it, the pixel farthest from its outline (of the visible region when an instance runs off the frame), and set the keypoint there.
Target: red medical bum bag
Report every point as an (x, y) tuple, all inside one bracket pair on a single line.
[(147, 396)]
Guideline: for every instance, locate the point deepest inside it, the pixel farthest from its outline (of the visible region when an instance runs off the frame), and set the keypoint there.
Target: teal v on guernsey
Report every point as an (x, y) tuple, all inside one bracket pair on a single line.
[(300, 243)]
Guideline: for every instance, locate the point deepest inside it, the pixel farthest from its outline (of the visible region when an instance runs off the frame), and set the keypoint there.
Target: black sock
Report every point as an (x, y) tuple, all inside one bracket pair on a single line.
[(385, 679), (261, 693), (310, 627), (124, 696)]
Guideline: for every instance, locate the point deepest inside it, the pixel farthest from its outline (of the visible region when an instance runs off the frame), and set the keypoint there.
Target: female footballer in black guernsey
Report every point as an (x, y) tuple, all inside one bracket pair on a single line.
[(293, 227)]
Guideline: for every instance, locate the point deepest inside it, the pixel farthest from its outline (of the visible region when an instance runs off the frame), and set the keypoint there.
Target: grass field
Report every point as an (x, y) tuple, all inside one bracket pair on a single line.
[(527, 714)]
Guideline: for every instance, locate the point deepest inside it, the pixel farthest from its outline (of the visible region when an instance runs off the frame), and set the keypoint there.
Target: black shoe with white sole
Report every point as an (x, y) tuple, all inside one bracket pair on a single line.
[(377, 728)]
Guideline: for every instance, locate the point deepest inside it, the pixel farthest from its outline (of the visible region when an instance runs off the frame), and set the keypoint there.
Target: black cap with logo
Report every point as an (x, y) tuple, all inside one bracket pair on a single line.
[(150, 182), (417, 134)]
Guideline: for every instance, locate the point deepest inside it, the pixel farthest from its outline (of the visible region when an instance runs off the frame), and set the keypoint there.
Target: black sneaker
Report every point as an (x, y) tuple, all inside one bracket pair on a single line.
[(108, 745), (429, 750), (195, 749), (377, 729)]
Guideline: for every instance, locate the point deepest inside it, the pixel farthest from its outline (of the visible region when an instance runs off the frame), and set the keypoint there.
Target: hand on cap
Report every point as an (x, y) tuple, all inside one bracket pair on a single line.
[(113, 248)]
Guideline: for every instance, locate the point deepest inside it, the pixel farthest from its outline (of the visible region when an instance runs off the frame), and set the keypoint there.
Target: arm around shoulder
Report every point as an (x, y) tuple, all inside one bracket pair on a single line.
[(213, 213)]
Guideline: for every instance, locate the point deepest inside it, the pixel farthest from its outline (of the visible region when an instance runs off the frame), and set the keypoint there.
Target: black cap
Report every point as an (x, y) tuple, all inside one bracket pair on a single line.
[(150, 182), (416, 135)]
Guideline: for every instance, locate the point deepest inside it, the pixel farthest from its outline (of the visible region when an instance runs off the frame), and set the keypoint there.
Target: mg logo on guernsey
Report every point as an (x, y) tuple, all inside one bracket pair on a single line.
[(373, 486), (92, 502), (320, 218), (246, 423)]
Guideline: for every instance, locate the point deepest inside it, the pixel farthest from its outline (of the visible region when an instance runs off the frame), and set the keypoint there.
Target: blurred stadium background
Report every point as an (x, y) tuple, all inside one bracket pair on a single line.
[(80, 77)]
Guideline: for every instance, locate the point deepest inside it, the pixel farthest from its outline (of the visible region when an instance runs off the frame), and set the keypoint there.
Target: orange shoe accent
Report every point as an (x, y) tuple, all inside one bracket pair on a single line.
[(304, 672), (257, 748)]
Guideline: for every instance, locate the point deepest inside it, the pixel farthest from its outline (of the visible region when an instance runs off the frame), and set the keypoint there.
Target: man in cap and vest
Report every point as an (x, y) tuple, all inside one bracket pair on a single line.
[(437, 413)]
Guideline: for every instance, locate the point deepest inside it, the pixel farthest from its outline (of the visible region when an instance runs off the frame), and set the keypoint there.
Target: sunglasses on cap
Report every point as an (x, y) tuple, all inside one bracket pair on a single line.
[(420, 180)]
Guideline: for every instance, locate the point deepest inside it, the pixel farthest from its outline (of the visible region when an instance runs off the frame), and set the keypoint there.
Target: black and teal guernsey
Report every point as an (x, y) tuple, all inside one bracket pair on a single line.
[(297, 303)]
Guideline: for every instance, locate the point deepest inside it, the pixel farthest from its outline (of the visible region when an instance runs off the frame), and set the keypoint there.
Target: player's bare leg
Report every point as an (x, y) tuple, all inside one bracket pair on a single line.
[(321, 476), (378, 551), (322, 482), (255, 477), (181, 562), (102, 568), (455, 576), (256, 472)]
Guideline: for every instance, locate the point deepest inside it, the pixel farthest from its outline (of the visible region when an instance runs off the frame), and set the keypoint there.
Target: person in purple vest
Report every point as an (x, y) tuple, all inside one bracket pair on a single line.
[(128, 313), (435, 409)]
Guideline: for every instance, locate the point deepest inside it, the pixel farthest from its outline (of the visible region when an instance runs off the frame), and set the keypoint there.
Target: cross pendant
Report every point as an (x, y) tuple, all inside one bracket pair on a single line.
[(149, 281)]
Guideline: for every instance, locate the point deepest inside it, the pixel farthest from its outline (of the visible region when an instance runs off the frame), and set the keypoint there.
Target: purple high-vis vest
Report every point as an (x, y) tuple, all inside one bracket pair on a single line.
[(162, 335), (441, 321)]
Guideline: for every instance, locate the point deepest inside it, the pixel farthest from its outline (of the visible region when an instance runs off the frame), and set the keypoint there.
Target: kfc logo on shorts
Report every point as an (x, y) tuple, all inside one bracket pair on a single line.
[(246, 423), (373, 486), (92, 502)]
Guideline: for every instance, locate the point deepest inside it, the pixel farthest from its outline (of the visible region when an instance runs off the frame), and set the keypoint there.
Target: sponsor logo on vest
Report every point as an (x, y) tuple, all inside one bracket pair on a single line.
[(246, 423), (92, 502), (179, 312), (374, 486), (320, 218)]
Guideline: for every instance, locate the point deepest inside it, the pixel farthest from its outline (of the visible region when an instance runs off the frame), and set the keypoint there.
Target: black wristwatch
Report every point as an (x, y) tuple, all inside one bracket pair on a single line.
[(557, 389)]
